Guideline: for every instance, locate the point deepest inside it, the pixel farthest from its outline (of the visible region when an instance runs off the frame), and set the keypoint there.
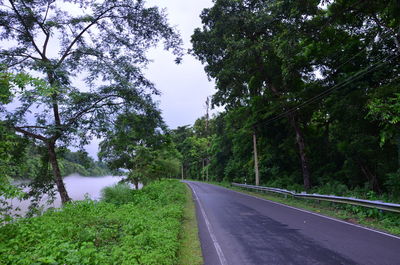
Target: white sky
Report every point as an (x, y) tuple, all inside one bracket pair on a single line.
[(184, 87)]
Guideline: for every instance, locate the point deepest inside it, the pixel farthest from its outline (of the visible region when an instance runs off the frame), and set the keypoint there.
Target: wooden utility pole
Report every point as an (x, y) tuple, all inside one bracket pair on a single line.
[(256, 158), (207, 135)]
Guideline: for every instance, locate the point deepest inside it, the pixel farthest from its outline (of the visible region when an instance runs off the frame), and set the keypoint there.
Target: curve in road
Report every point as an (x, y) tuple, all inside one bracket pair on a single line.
[(238, 229)]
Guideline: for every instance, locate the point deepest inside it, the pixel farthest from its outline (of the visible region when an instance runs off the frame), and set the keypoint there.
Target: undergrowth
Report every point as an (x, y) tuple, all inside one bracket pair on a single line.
[(143, 229)]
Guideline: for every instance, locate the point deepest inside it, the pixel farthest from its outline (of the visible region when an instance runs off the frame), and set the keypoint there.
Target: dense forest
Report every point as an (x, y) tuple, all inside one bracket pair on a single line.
[(311, 95)]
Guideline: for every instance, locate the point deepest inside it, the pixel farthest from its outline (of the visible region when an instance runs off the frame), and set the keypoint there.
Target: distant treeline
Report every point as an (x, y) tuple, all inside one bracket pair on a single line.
[(28, 160)]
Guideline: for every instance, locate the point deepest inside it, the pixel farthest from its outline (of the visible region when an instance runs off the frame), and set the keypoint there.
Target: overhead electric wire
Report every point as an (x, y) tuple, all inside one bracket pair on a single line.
[(330, 90), (335, 87)]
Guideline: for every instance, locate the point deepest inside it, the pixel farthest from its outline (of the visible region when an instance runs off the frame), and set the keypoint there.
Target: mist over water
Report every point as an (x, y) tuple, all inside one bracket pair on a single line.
[(77, 187)]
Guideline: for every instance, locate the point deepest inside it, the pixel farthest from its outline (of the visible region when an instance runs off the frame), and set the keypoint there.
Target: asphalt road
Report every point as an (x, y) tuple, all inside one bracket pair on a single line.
[(238, 229)]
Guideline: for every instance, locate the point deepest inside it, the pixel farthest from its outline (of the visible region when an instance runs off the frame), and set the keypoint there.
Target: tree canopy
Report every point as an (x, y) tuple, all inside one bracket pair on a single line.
[(315, 81), (82, 65)]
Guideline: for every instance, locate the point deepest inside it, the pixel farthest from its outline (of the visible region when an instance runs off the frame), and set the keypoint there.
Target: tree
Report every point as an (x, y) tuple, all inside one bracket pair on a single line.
[(303, 73), (10, 144), (387, 112), (250, 48), (103, 43), (137, 143)]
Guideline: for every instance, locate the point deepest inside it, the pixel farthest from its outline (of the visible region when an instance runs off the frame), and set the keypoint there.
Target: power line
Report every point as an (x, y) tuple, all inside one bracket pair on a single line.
[(330, 90), (335, 87)]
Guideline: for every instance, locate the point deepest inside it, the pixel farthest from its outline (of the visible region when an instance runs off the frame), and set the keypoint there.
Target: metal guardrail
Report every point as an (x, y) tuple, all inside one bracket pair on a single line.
[(392, 207)]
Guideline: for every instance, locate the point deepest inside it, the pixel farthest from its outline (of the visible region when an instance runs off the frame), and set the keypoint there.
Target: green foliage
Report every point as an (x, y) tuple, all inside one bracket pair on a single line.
[(141, 230), (190, 250), (392, 184), (27, 160), (318, 86), (81, 163), (103, 44), (136, 143), (118, 194), (193, 144), (10, 145)]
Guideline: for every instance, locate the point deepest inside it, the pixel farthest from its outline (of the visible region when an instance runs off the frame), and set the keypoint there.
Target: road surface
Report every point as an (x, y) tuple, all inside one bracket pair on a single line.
[(238, 229)]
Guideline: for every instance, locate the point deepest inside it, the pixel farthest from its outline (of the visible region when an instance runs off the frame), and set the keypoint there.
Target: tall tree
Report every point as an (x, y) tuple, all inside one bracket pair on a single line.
[(103, 43), (249, 49)]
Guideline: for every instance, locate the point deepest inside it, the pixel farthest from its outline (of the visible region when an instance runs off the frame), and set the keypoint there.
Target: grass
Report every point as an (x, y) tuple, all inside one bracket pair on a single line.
[(190, 250), (378, 220)]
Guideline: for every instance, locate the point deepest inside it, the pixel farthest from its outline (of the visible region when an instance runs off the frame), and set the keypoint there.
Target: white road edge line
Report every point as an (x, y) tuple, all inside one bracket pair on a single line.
[(320, 215), (220, 254)]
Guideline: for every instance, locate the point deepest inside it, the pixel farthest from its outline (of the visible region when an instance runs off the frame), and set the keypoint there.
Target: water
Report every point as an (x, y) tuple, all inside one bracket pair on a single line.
[(78, 188)]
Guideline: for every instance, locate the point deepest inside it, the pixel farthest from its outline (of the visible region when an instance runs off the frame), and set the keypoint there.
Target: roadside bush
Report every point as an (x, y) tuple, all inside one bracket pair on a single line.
[(118, 194), (143, 230)]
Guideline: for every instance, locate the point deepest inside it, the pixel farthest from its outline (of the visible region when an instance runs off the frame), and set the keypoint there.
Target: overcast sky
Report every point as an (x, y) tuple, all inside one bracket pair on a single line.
[(184, 87)]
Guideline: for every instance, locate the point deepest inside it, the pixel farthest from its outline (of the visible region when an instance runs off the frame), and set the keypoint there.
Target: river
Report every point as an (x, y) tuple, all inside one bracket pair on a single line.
[(77, 187)]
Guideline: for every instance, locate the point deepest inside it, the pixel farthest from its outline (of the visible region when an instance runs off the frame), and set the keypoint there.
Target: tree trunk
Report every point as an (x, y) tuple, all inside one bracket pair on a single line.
[(207, 163), (256, 159), (57, 173), (302, 151), (202, 169), (136, 183), (372, 178)]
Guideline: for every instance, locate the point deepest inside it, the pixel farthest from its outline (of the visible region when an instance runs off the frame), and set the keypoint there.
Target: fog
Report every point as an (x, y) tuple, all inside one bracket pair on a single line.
[(78, 188)]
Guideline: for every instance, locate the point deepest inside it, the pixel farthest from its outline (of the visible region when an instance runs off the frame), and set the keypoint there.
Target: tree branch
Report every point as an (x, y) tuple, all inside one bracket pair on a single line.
[(82, 32), (26, 28), (23, 60), (47, 11), (41, 25), (28, 133), (27, 56), (88, 109), (32, 127)]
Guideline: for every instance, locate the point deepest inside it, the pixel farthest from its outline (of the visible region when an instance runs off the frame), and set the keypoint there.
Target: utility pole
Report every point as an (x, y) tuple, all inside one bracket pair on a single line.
[(256, 158), (207, 135)]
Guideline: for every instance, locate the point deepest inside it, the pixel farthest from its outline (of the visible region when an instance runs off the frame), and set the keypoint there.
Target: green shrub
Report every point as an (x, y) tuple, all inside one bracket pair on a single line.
[(143, 230), (117, 194)]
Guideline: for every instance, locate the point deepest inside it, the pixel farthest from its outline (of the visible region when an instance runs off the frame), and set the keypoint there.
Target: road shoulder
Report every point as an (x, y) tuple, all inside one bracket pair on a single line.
[(190, 250)]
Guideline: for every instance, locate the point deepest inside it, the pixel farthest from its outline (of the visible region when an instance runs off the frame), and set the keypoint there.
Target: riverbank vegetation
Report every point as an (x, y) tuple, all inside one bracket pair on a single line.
[(74, 67), (28, 160), (136, 227), (141, 145)]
